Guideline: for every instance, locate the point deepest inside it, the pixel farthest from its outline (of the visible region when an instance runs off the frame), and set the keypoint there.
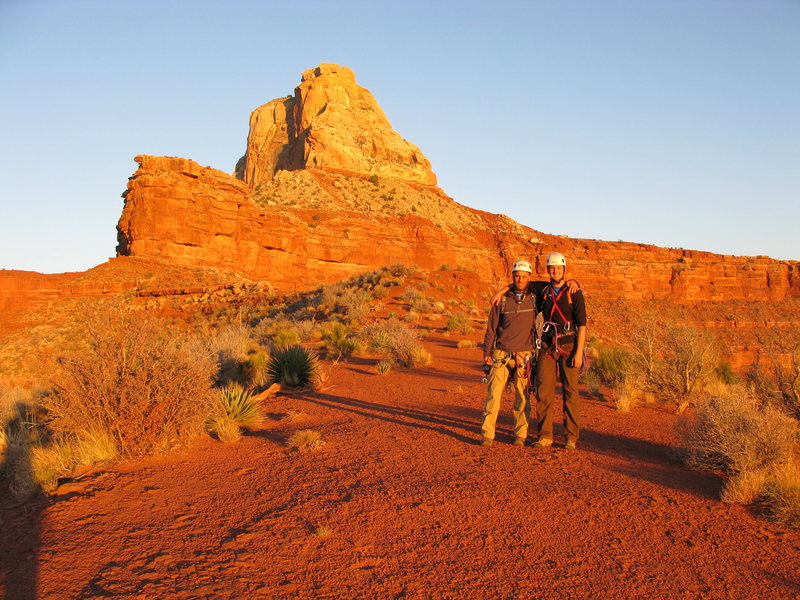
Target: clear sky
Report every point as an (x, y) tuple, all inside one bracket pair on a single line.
[(672, 122)]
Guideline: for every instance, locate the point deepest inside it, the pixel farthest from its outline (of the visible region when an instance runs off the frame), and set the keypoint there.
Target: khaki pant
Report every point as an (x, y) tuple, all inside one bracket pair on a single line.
[(546, 392), (498, 376)]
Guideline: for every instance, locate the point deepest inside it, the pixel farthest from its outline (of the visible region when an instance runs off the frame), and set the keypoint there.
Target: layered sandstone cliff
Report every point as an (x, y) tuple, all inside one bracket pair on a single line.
[(179, 212), (330, 123)]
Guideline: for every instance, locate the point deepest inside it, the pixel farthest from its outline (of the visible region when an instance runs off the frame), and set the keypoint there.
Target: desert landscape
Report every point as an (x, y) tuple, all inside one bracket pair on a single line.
[(274, 390)]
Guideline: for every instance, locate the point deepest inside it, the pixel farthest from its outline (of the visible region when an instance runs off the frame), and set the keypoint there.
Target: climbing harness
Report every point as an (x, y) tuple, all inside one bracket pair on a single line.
[(559, 332)]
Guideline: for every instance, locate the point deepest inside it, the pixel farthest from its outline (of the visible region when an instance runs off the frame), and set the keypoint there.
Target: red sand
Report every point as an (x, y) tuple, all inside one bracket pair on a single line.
[(415, 509)]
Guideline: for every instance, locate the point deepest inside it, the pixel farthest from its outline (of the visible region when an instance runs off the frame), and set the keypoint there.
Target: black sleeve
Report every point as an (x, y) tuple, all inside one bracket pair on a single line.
[(579, 309)]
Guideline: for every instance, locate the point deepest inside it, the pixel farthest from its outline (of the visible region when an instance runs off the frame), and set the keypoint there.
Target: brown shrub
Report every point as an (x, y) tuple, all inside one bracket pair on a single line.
[(134, 381)]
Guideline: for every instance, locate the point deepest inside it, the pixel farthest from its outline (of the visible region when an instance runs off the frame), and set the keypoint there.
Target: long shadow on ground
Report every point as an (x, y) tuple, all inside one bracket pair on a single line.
[(401, 416)]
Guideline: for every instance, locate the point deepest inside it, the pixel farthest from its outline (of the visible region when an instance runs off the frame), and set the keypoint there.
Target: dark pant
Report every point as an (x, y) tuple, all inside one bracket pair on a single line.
[(546, 392)]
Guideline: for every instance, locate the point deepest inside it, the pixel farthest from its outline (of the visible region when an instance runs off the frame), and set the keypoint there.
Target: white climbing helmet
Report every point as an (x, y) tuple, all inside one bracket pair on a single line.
[(556, 259), (522, 265)]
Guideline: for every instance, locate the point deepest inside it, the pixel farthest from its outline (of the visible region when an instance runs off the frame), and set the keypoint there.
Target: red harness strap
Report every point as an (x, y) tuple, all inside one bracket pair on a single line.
[(555, 308)]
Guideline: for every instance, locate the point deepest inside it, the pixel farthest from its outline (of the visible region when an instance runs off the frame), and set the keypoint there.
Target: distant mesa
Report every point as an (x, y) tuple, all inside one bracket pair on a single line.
[(331, 123)]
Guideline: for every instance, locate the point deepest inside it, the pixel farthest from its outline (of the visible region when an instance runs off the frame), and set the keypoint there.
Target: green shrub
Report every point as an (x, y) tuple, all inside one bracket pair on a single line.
[(725, 373), (338, 339), (293, 366), (459, 323), (612, 366)]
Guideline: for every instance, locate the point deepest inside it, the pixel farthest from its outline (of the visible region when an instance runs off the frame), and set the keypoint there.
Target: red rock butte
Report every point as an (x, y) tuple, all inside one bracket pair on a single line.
[(326, 184)]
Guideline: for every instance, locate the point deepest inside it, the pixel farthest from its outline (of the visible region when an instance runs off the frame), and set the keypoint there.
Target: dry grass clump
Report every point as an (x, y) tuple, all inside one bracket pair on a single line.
[(323, 531), (421, 357), (135, 382), (466, 344), (305, 440), (752, 442), (233, 409), (392, 338)]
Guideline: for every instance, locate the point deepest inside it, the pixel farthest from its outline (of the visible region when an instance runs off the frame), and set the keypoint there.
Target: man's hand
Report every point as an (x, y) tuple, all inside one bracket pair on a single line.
[(576, 360), (573, 286), (487, 360), (498, 296)]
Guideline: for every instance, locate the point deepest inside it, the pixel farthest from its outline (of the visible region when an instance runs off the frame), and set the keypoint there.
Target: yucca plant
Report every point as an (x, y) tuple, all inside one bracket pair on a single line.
[(293, 366), (234, 408), (384, 367)]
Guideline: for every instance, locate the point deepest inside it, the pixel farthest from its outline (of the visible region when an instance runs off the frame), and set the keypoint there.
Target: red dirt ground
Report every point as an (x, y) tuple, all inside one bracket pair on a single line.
[(415, 509)]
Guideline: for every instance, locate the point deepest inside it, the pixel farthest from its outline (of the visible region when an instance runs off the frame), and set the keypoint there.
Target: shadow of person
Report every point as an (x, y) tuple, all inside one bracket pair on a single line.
[(21, 510)]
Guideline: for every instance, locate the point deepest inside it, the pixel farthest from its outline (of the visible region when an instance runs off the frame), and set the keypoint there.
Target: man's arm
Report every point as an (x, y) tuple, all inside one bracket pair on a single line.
[(534, 288), (577, 356), (579, 316), (491, 334)]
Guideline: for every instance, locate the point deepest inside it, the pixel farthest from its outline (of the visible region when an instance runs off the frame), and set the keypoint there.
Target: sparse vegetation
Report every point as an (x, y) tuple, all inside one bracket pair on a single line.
[(142, 387), (293, 366), (339, 341), (752, 442), (233, 409), (392, 338), (459, 323), (383, 367), (466, 344), (305, 440)]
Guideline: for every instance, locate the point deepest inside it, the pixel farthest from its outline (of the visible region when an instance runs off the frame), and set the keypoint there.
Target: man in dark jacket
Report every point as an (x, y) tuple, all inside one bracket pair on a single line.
[(507, 350)]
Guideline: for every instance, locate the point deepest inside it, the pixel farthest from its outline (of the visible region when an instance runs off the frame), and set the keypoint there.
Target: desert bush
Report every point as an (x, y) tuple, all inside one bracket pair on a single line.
[(305, 440), (379, 292), (353, 304), (135, 382), (674, 360), (779, 500), (751, 441), (462, 344), (293, 366), (411, 294), (612, 365), (459, 323), (392, 338), (725, 373), (422, 305), (776, 375), (338, 339)]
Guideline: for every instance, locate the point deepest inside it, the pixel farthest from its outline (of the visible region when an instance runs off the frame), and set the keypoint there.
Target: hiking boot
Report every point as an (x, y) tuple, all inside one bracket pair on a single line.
[(543, 443), (486, 442), (520, 441), (570, 445)]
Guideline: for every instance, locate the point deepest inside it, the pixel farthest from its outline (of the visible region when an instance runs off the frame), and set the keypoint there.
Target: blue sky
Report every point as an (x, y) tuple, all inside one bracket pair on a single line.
[(674, 123)]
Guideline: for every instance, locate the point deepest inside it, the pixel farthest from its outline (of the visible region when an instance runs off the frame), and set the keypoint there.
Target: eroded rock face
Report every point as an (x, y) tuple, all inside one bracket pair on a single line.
[(179, 212), (330, 123)]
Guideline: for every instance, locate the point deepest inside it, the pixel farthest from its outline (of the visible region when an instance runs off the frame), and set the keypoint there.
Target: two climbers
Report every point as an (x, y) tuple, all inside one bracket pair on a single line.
[(560, 350)]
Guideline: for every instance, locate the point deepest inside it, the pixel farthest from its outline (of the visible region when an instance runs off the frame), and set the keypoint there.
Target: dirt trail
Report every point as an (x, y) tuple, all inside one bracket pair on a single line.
[(414, 509)]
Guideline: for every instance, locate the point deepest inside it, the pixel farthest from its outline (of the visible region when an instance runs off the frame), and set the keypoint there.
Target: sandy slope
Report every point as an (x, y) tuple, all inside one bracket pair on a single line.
[(415, 507)]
